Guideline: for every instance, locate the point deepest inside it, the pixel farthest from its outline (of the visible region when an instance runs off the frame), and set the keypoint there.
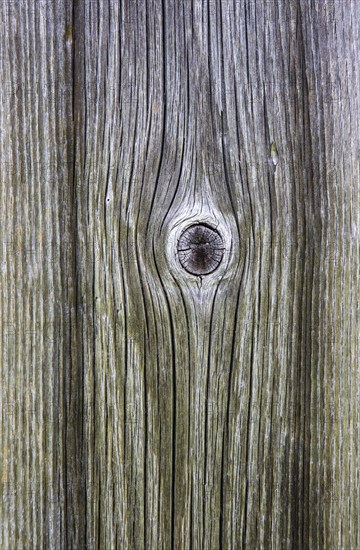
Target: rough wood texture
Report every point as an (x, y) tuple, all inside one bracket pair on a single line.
[(37, 277), (144, 407)]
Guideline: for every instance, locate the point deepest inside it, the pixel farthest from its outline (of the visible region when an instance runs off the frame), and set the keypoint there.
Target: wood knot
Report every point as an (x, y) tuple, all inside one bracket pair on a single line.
[(200, 249)]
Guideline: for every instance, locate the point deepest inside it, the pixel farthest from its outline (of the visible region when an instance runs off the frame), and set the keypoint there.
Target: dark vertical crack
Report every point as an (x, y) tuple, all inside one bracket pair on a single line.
[(74, 374)]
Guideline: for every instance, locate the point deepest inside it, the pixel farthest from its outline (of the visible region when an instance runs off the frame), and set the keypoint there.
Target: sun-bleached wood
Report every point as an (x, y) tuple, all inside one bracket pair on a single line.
[(143, 406)]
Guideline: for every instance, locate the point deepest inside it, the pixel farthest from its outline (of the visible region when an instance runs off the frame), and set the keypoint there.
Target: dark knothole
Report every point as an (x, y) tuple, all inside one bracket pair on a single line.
[(200, 249)]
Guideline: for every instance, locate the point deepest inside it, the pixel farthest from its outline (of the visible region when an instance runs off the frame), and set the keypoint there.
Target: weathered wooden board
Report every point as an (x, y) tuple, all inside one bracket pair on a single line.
[(143, 406), (37, 278)]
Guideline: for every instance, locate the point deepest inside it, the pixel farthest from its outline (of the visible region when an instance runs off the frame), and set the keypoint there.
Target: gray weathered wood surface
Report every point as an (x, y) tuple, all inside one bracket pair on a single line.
[(143, 407)]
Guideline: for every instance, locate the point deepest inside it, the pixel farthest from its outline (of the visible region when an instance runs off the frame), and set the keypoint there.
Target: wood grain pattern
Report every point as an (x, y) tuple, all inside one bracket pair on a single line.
[(37, 273), (144, 407)]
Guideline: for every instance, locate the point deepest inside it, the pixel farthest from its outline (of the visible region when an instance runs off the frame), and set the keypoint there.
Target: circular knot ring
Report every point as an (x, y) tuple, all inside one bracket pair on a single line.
[(200, 249)]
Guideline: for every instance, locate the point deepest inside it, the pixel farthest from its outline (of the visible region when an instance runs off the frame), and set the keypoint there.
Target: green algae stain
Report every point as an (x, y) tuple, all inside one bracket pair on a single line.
[(68, 33)]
